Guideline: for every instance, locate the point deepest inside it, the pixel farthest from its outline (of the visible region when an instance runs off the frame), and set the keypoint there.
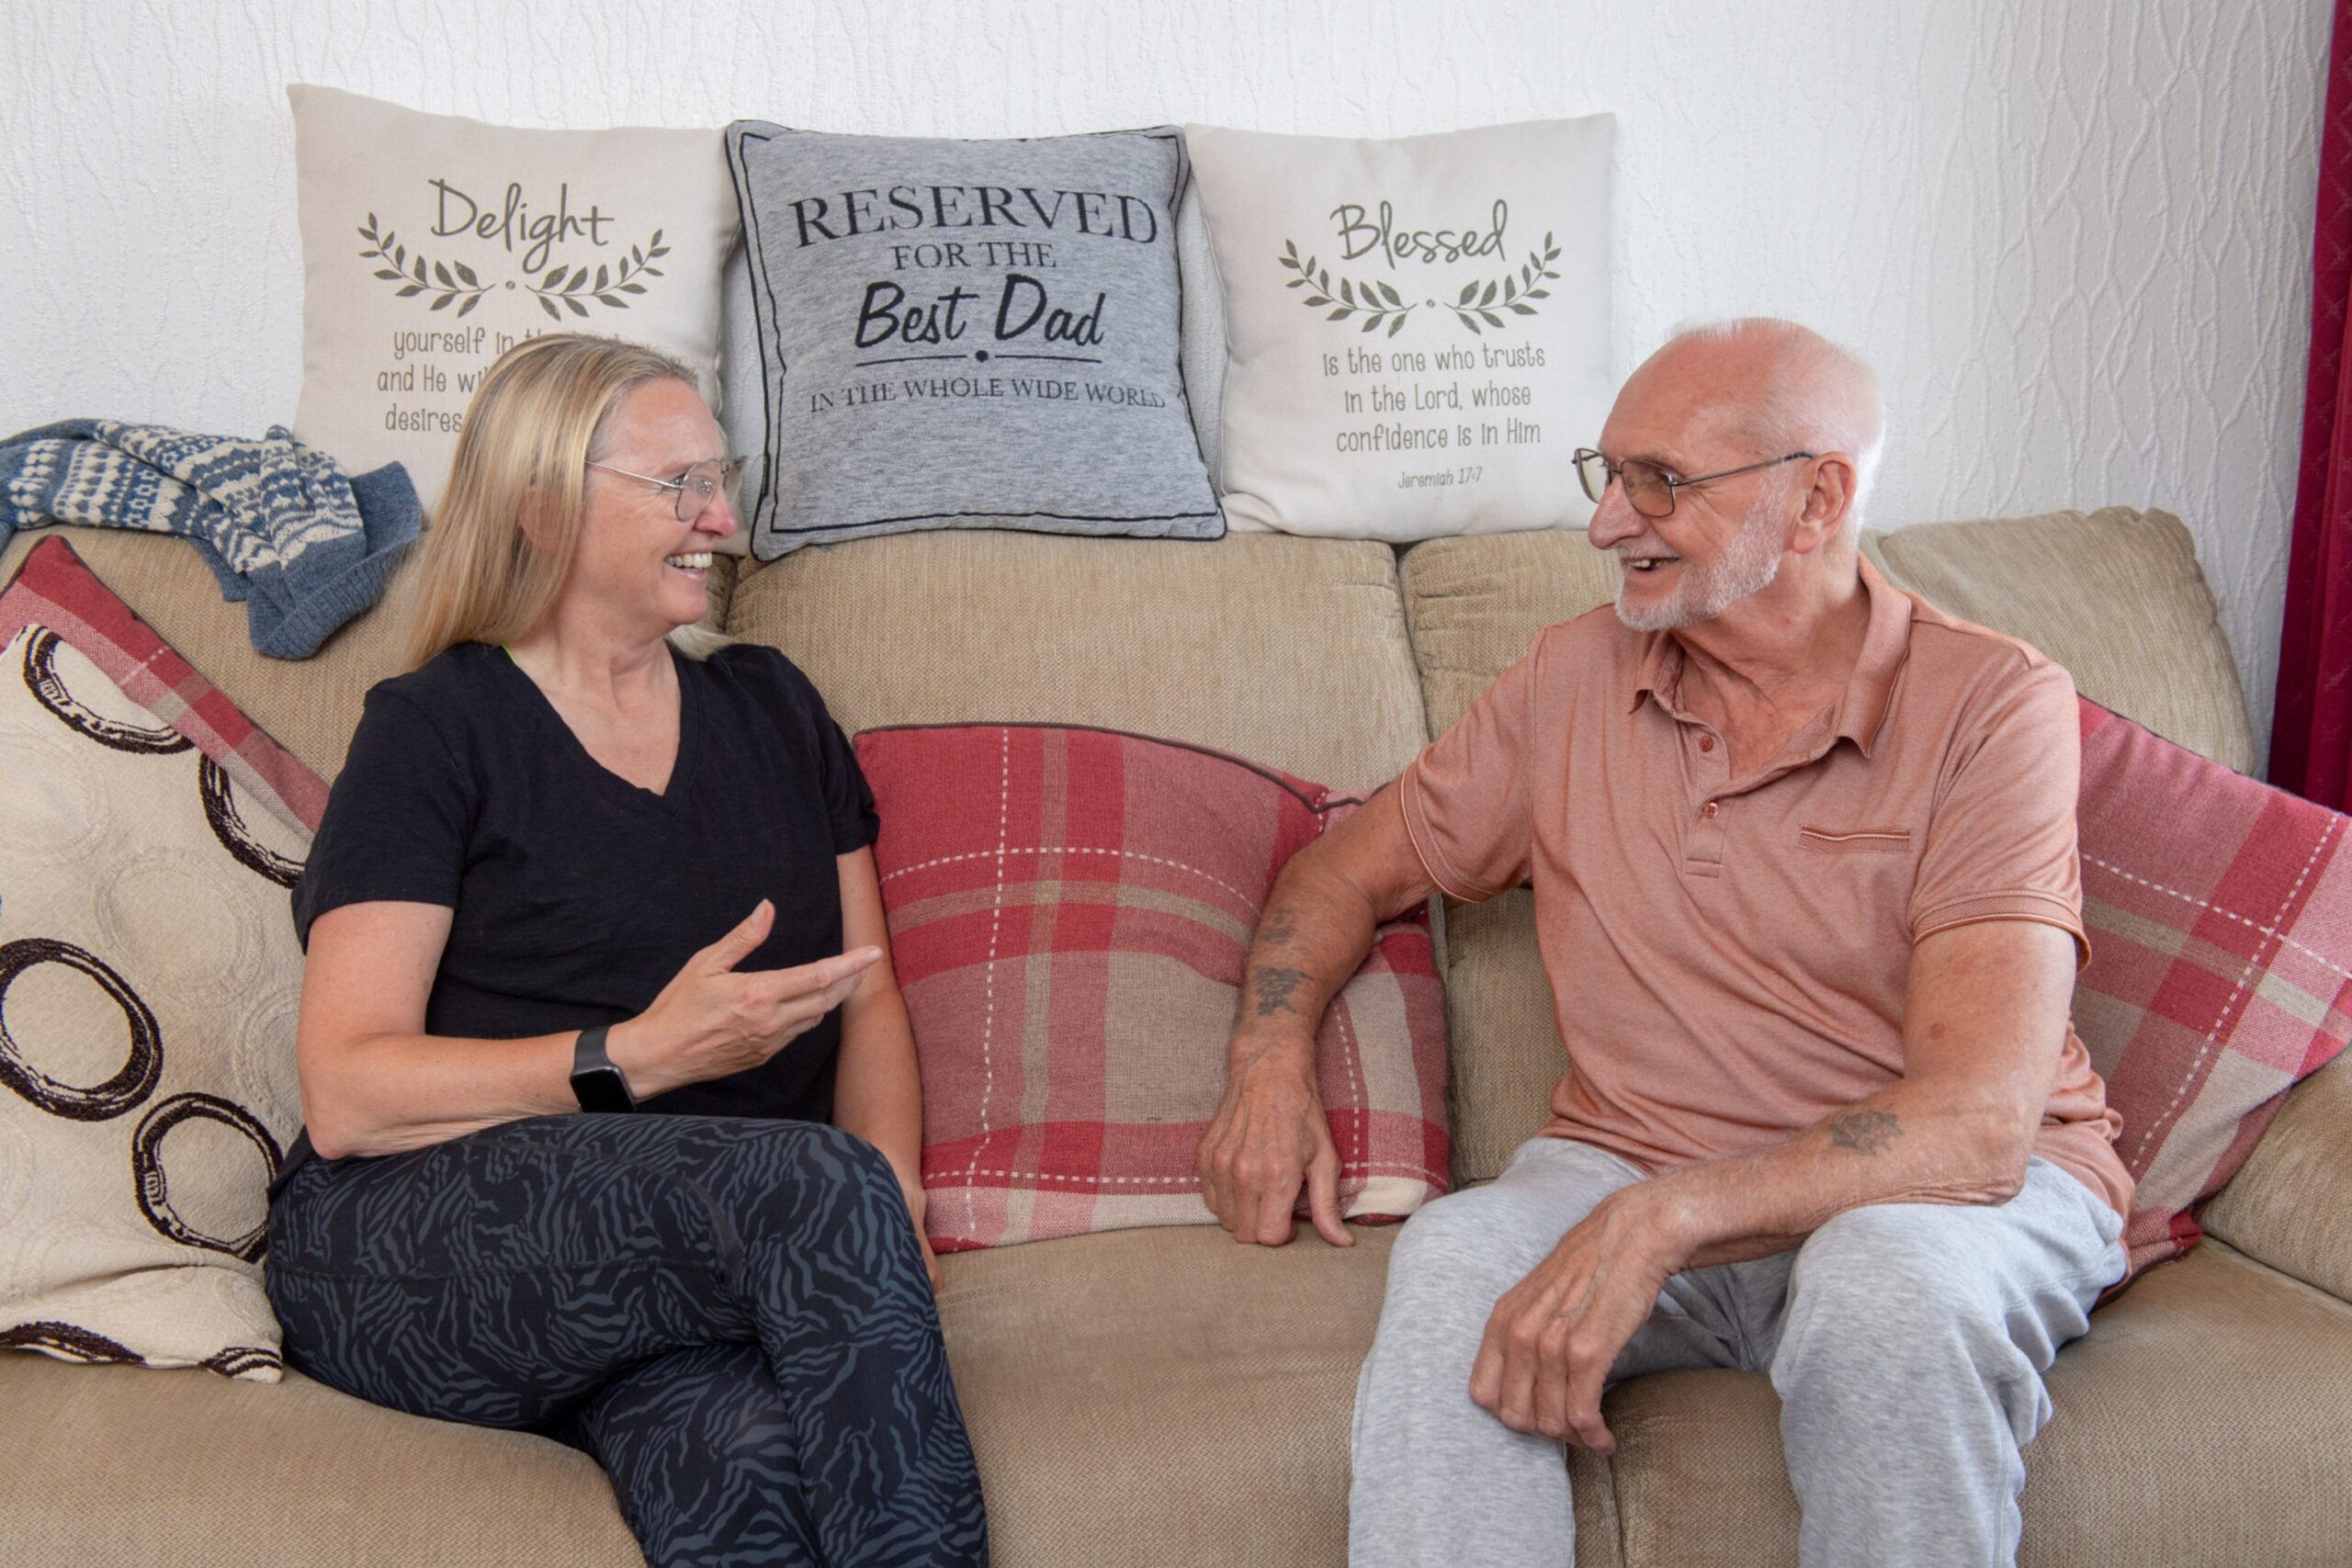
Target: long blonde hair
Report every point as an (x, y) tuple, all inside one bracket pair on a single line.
[(533, 424)]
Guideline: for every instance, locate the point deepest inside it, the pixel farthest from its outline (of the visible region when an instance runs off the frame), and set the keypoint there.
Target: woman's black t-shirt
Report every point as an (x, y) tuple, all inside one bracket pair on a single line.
[(577, 896)]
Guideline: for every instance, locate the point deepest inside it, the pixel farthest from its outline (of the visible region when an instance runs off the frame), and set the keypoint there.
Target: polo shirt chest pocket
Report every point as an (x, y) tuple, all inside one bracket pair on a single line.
[(1856, 840), (1839, 895)]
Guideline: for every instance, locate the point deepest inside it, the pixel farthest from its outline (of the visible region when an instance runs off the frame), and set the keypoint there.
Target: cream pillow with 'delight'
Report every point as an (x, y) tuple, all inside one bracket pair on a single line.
[(432, 244)]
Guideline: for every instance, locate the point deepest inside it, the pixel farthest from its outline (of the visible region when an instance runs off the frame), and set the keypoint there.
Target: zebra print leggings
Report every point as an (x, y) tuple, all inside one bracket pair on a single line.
[(731, 1315)]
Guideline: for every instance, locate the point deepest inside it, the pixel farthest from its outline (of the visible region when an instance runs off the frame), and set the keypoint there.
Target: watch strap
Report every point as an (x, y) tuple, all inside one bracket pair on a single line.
[(596, 1083)]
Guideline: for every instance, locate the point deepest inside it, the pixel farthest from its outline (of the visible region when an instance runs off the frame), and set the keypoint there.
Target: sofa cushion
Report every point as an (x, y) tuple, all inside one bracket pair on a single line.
[(1164, 1386), (149, 981), (2216, 1372), (185, 1469), (2290, 1204), (967, 334), (430, 243), (1173, 1388), (1291, 652), (310, 705), (2115, 595), (1417, 329), (2220, 915), (1069, 911)]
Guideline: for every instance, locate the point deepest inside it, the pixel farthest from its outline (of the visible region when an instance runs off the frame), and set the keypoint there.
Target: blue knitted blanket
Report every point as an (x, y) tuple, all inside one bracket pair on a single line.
[(302, 545)]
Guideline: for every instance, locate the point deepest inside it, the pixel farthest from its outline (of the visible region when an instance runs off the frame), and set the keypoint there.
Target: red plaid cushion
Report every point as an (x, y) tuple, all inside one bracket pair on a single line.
[(55, 590), (2220, 922), (1069, 909)]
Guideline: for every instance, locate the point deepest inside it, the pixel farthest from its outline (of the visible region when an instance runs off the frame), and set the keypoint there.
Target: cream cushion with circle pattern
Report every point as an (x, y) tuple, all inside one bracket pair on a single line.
[(149, 985)]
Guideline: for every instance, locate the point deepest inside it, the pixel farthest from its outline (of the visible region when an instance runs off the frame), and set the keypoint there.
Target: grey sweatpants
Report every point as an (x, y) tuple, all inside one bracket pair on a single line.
[(1908, 1342)]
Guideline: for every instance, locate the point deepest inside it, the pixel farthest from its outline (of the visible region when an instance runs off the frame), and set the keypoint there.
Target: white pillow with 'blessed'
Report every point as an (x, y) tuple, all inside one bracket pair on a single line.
[(1417, 330), (431, 244)]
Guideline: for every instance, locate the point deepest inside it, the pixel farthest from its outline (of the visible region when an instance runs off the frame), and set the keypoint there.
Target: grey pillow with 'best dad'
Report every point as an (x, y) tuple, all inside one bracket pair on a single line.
[(968, 335)]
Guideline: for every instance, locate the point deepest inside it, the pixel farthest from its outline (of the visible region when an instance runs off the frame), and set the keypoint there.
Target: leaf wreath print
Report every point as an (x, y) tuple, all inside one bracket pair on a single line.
[(446, 281), (456, 283), (607, 286), (1377, 302)]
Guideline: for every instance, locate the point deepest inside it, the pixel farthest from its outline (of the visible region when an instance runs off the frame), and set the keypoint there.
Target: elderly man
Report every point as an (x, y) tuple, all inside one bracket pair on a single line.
[(1802, 848)]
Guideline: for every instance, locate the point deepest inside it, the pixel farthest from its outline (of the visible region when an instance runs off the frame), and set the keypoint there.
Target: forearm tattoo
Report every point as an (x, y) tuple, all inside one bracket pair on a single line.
[(1865, 1132), (1275, 985)]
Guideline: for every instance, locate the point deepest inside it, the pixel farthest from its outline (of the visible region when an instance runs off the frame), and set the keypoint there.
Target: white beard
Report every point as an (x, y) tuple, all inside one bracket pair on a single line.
[(1747, 567)]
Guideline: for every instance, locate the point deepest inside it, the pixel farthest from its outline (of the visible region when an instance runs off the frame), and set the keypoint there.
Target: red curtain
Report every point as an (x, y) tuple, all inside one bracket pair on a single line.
[(2311, 737)]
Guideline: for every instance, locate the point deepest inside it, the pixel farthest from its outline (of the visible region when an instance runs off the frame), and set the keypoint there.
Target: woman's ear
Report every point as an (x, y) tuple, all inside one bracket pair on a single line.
[(531, 516)]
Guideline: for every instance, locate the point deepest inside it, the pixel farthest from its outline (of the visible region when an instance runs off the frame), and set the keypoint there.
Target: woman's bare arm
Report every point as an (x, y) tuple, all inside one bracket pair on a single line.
[(375, 1082), (877, 1087)]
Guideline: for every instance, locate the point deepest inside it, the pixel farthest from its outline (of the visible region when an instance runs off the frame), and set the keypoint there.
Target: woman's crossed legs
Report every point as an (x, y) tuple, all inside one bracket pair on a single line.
[(732, 1315)]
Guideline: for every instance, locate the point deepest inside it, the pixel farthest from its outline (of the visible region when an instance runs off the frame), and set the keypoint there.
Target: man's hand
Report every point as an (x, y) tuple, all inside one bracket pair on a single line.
[(1555, 1334), (1269, 1135)]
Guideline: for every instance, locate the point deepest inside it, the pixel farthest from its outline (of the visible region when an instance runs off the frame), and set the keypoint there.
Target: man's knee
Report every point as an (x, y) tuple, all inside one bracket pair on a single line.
[(1884, 1285), (1468, 1248)]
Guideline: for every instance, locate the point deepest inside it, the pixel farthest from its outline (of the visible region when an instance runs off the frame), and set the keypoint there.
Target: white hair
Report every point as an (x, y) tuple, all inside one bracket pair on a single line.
[(1820, 398)]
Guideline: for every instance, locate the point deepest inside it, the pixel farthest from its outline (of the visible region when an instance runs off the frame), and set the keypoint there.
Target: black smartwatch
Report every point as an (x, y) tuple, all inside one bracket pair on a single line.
[(594, 1081)]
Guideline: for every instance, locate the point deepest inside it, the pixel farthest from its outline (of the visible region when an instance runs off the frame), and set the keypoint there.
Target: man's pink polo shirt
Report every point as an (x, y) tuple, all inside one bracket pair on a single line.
[(1728, 955)]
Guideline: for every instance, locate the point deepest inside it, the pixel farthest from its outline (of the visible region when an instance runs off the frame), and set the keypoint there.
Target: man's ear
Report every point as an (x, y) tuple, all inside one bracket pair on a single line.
[(1826, 501)]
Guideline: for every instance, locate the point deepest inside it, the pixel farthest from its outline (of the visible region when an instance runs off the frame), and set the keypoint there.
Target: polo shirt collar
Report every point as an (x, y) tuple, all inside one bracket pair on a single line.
[(1861, 711), (1870, 691)]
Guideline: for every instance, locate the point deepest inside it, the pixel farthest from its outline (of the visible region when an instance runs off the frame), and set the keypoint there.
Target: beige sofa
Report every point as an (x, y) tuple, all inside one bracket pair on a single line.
[(1164, 1397)]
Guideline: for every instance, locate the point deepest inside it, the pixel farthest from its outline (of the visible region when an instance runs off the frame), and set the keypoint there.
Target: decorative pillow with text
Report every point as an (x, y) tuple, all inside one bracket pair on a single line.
[(1069, 909), (149, 986), (1416, 330), (967, 334), (431, 244)]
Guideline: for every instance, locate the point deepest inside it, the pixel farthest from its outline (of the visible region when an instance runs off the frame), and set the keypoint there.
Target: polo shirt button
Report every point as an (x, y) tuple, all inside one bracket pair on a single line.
[(1706, 743), (1713, 809)]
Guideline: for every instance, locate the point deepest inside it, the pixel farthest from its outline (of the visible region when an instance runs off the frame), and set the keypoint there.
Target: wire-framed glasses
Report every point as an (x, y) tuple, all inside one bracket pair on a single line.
[(1649, 488), (695, 487)]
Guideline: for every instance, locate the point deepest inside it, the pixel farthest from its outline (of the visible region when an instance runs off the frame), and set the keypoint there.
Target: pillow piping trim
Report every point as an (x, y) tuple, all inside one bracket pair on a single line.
[(1272, 775)]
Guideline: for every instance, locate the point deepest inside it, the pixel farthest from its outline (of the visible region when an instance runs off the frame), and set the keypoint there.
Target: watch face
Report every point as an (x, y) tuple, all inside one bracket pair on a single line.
[(602, 1088)]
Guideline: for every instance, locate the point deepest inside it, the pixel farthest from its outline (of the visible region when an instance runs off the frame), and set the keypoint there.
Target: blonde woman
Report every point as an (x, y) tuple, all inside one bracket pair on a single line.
[(612, 1121)]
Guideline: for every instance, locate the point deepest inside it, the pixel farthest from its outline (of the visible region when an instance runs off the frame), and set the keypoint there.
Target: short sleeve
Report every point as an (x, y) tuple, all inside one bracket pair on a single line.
[(850, 816), (396, 821), (849, 800), (2001, 844), (1467, 798)]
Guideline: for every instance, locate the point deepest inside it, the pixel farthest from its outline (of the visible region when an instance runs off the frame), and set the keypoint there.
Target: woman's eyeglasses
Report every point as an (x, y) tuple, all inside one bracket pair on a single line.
[(695, 487)]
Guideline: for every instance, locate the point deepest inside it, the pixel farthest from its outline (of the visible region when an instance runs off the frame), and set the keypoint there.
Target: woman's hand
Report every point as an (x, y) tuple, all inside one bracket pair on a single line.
[(711, 1020)]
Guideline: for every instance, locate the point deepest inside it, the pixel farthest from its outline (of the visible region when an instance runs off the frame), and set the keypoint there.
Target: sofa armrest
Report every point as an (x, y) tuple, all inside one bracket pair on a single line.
[(2290, 1204)]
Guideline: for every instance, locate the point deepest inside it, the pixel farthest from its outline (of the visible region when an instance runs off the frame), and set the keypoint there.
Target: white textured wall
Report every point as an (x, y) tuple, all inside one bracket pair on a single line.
[(2072, 235)]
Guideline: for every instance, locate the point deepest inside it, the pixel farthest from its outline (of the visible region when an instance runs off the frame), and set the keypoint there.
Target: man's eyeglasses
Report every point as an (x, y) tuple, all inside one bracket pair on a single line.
[(695, 487), (1649, 488)]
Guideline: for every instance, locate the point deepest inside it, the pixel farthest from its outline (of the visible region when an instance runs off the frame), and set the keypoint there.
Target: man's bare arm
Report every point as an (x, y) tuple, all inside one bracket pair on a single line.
[(1984, 1022), (1269, 1135), (1984, 1026)]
